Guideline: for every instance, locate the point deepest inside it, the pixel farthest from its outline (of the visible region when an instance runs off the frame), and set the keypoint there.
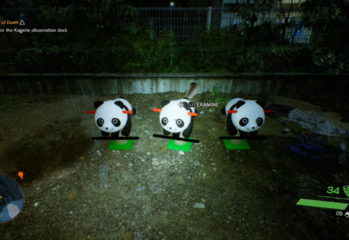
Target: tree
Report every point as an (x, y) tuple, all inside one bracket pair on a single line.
[(329, 21)]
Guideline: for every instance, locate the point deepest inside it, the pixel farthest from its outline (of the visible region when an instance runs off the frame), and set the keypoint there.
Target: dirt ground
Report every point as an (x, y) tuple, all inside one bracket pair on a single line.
[(75, 188)]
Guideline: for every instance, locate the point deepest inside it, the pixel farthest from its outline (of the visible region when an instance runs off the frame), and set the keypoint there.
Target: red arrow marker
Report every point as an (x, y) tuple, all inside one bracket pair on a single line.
[(128, 112), (90, 112), (156, 109), (232, 111)]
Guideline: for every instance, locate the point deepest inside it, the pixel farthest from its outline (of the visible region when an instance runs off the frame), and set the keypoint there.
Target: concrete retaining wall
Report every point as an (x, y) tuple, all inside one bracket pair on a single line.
[(105, 84)]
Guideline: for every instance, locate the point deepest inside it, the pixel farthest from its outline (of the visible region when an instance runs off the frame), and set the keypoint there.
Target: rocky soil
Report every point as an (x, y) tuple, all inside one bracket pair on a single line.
[(75, 188)]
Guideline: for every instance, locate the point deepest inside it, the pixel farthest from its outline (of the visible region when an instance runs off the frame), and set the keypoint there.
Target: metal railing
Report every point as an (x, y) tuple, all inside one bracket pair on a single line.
[(185, 23)]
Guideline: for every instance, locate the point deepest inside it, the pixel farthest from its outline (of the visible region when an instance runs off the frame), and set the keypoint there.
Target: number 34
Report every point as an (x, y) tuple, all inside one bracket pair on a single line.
[(332, 190)]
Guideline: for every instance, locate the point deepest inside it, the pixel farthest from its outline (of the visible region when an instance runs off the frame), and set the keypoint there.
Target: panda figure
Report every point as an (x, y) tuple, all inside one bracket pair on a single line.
[(176, 118), (248, 118), (113, 116)]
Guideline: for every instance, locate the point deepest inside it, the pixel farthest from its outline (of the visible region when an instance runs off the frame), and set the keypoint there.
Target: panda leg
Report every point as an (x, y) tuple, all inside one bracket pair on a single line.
[(253, 134), (231, 128), (187, 132), (166, 132), (115, 134), (176, 135), (243, 134), (127, 129), (105, 134)]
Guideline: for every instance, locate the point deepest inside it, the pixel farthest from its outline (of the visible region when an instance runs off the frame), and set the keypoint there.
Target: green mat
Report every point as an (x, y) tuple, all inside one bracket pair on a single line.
[(114, 145), (173, 146), (242, 145)]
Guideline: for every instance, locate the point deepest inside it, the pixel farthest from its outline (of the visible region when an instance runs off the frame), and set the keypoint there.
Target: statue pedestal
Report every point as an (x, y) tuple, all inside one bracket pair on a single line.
[(177, 142), (236, 144), (121, 145), (179, 145)]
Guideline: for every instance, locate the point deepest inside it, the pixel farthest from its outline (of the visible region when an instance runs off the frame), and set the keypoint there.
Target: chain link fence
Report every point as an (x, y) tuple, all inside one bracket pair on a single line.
[(185, 23)]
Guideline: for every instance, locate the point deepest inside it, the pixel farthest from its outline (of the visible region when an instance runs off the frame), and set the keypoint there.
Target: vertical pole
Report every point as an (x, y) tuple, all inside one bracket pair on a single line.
[(172, 33), (222, 9), (209, 16)]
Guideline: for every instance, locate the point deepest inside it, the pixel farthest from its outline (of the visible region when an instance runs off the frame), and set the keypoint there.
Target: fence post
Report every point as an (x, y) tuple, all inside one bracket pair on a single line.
[(209, 16)]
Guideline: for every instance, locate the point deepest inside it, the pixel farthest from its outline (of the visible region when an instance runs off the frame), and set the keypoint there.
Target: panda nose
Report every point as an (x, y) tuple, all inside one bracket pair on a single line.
[(170, 127), (253, 127), (107, 128)]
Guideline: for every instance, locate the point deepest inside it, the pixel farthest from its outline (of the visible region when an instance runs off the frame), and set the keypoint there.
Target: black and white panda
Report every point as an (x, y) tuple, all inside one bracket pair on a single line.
[(248, 116), (113, 116), (176, 117)]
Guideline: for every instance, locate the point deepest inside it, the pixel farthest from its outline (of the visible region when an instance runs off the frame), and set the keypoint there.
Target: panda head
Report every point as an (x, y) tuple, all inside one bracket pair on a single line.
[(250, 115), (174, 116), (109, 116)]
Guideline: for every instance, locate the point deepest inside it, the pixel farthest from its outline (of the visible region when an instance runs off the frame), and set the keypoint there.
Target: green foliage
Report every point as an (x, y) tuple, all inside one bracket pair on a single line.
[(150, 53), (218, 97), (119, 44), (277, 59), (329, 21), (251, 9), (140, 50), (215, 51)]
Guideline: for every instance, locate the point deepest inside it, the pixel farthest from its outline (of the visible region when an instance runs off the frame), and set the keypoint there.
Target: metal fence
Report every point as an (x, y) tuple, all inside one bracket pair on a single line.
[(186, 23)]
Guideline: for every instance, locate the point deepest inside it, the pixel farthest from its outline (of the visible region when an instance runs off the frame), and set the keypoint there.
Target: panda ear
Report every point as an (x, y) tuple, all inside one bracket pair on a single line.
[(239, 103), (120, 104), (97, 104), (186, 105), (164, 102), (261, 103)]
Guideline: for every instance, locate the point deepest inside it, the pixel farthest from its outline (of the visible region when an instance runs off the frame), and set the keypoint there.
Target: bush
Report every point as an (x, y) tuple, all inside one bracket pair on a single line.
[(123, 46), (329, 21), (215, 52)]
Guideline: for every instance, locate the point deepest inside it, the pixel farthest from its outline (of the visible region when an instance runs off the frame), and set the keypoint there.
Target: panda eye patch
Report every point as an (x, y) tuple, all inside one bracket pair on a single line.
[(100, 122), (259, 121), (243, 122), (164, 121), (115, 122), (179, 122)]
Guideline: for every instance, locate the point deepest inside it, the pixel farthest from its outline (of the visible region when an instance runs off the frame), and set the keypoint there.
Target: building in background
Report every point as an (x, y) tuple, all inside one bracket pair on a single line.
[(285, 12)]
